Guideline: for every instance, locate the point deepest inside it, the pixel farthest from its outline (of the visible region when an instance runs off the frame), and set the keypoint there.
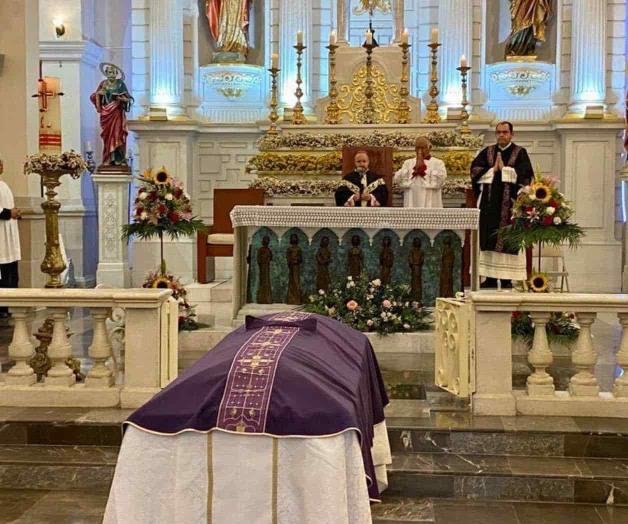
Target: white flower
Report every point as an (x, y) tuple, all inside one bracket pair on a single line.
[(169, 196), (525, 189), (349, 278), (369, 322), (377, 282), (142, 196), (557, 220), (186, 195), (550, 210), (350, 284), (532, 196), (369, 297), (321, 291), (383, 315), (406, 326), (144, 215)]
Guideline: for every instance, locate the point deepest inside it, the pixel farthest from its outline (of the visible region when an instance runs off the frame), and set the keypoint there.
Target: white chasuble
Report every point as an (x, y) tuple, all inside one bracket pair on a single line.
[(9, 234)]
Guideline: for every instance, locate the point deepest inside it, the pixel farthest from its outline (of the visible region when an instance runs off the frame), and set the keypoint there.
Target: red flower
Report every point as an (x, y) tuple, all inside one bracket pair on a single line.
[(174, 217), (177, 192), (152, 195), (547, 221), (161, 209), (516, 314), (139, 210), (553, 203)]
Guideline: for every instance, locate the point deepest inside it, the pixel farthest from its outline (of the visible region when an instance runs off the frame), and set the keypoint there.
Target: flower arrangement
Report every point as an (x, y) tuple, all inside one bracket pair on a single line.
[(68, 162), (338, 141), (187, 313), (162, 207), (541, 215), (370, 306), (296, 162)]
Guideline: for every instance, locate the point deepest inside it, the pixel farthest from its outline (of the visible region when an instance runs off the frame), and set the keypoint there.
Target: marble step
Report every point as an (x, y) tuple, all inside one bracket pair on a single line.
[(405, 510), (57, 467), (491, 477)]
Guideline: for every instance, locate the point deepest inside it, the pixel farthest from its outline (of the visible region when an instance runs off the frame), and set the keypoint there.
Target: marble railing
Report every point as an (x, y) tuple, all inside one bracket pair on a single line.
[(149, 347), (487, 354)]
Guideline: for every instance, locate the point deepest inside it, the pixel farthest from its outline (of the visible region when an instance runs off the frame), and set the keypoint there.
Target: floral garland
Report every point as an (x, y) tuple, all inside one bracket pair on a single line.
[(69, 162), (541, 214), (370, 306), (187, 312), (338, 141)]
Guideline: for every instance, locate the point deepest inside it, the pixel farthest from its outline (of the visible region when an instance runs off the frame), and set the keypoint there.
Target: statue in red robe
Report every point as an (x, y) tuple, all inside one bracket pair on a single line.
[(112, 101)]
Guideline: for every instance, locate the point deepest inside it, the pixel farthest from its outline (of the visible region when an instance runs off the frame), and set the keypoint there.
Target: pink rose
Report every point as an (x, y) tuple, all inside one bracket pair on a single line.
[(386, 303), (352, 305)]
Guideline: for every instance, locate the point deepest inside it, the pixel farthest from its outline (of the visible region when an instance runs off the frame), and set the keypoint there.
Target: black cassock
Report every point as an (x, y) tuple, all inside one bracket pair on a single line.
[(497, 198), (352, 184)]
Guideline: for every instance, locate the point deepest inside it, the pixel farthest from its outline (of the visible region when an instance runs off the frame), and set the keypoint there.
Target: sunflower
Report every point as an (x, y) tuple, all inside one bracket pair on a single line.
[(538, 282), (147, 174), (161, 177), (542, 192), (162, 282)]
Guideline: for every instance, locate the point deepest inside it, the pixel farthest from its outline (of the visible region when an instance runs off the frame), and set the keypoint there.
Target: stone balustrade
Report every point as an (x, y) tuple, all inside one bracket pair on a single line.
[(149, 353), (487, 354)]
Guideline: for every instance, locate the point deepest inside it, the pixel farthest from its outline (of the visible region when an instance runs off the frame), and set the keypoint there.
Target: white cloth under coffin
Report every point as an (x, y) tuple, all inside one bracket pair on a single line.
[(229, 478)]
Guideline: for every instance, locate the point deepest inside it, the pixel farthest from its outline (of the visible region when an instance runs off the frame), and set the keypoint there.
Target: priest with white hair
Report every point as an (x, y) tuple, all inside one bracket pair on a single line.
[(422, 177)]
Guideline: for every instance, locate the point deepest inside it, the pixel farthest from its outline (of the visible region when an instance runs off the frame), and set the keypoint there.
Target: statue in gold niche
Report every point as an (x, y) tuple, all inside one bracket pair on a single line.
[(228, 25), (529, 19)]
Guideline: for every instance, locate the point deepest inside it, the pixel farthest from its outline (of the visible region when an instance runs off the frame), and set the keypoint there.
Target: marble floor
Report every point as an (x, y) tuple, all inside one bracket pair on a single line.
[(79, 507)]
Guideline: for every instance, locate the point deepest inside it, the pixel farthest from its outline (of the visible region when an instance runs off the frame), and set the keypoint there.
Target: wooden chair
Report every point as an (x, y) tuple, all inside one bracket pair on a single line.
[(381, 163), (218, 241)]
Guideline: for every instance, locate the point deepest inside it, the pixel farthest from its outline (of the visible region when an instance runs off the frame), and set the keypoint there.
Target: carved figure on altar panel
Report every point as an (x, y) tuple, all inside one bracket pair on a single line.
[(228, 24), (386, 261), (264, 258), (294, 257), (112, 101), (355, 258), (446, 280), (415, 261), (323, 259), (529, 19)]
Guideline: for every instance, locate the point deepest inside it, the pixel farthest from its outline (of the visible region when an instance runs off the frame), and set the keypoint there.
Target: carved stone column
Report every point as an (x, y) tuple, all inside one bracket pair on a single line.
[(295, 16), (540, 358), (398, 19), (588, 53), (455, 21), (113, 205), (584, 357), (166, 56), (342, 15)]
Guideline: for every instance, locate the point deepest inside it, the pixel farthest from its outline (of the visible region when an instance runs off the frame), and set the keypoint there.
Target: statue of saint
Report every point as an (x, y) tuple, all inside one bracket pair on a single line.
[(355, 258), (386, 261), (294, 258), (228, 23), (370, 6), (112, 100), (264, 258), (529, 20), (415, 260), (323, 259), (446, 280)]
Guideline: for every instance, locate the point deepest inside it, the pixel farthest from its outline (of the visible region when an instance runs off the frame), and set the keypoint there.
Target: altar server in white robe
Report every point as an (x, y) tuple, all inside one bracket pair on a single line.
[(422, 177), (9, 239)]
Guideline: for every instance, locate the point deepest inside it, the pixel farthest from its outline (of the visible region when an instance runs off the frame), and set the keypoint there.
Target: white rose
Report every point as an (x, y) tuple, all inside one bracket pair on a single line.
[(369, 322), (169, 196), (349, 278), (142, 196), (406, 326), (377, 282), (550, 210), (143, 216), (557, 220), (321, 291)]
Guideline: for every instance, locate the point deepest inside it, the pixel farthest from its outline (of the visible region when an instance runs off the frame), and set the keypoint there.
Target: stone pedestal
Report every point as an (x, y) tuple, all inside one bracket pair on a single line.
[(113, 205)]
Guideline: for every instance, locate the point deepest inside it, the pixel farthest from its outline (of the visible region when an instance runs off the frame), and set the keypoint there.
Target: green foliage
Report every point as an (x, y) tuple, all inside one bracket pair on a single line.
[(561, 327)]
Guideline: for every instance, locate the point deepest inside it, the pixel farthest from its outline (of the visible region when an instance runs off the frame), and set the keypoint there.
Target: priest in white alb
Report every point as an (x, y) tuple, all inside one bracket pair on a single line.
[(9, 240), (422, 177)]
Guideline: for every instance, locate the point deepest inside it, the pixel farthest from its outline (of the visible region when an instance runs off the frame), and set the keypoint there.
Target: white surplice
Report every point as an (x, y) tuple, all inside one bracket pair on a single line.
[(9, 234), (422, 191), (229, 478)]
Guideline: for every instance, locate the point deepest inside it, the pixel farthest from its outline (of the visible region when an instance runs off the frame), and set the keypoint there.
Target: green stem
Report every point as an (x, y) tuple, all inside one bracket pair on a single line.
[(163, 260)]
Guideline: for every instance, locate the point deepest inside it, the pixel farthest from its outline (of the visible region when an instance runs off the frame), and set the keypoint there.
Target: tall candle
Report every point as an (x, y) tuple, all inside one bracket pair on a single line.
[(369, 38), (435, 35), (299, 37), (463, 61), (332, 37), (404, 36), (274, 61)]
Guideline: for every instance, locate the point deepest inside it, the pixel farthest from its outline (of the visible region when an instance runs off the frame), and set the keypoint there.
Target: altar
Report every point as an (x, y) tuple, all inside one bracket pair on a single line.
[(273, 229)]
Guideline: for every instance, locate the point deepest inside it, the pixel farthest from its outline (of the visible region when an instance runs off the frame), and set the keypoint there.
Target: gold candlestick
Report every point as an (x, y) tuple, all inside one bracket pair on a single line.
[(403, 111), (432, 116), (368, 89), (332, 111), (297, 110), (464, 126), (273, 116)]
